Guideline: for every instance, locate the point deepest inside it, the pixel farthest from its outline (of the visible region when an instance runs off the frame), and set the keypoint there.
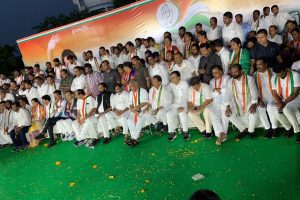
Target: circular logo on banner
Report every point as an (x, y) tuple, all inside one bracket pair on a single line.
[(167, 14)]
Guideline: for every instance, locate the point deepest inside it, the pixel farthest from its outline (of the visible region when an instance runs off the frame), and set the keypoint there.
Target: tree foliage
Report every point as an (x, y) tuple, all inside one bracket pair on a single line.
[(10, 59)]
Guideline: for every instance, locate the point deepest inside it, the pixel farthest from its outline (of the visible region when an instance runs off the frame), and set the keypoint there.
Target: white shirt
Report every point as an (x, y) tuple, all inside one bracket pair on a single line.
[(8, 97), (3, 81), (59, 107), (284, 85), (22, 118), (72, 66), (110, 59), (186, 70), (161, 95), (159, 69), (78, 83), (194, 96), (277, 39), (281, 18), (120, 59), (9, 116), (43, 89), (231, 31), (266, 85), (251, 97), (137, 52), (120, 101), (195, 62), (85, 106), (296, 66), (255, 25), (180, 93), (180, 44), (143, 97), (31, 93), (219, 98), (19, 79), (267, 21), (213, 34), (224, 55), (101, 107)]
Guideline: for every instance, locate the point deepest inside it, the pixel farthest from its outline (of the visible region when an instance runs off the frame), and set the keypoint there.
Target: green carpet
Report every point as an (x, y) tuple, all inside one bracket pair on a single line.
[(155, 169)]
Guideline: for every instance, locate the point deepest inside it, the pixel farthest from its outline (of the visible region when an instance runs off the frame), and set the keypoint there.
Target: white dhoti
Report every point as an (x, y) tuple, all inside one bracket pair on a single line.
[(218, 119), (135, 128), (161, 116), (241, 123), (64, 126), (87, 130), (202, 124), (172, 119), (113, 120)]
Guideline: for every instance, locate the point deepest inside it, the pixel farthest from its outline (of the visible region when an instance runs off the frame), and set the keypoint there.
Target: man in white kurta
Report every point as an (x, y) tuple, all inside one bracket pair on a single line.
[(120, 110), (263, 78), (242, 91), (179, 109), (85, 125), (224, 53), (286, 86), (4, 137), (199, 100), (160, 99), (138, 101), (184, 67), (231, 29), (217, 109), (195, 57), (157, 69), (30, 92), (79, 82)]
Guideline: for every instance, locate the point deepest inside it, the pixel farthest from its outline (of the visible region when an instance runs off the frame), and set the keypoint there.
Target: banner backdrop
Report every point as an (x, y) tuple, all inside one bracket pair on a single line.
[(141, 19)]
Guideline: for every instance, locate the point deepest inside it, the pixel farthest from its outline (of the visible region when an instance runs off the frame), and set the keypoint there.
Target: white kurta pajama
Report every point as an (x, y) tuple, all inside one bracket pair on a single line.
[(137, 122), (102, 120), (88, 129), (285, 88), (160, 97), (186, 70), (243, 93), (4, 136), (159, 69), (180, 95), (202, 118), (264, 84), (217, 109), (119, 102)]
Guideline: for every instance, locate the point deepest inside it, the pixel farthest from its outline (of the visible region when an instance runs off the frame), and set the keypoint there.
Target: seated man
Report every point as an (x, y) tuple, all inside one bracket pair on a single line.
[(217, 110), (85, 124), (120, 110), (285, 89), (64, 126), (22, 120), (160, 100), (178, 109), (54, 111), (4, 137), (242, 91), (103, 108), (138, 101), (199, 99)]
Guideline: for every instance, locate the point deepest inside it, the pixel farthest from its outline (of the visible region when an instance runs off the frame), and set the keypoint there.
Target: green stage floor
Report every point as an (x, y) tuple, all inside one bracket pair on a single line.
[(155, 169)]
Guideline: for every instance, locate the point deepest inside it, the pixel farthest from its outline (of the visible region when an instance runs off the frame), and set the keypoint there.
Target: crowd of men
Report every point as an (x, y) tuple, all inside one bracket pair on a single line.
[(243, 73)]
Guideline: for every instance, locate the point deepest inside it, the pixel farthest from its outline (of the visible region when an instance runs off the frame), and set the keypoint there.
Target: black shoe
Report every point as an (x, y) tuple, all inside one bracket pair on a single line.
[(289, 133), (275, 133), (253, 135), (15, 149), (203, 133), (40, 136), (186, 136), (172, 136), (241, 135), (298, 138), (159, 126), (208, 136), (165, 128), (106, 140), (51, 144), (78, 143), (268, 134)]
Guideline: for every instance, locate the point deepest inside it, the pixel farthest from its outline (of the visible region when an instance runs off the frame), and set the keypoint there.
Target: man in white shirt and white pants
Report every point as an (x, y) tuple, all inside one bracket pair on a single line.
[(231, 29), (22, 122)]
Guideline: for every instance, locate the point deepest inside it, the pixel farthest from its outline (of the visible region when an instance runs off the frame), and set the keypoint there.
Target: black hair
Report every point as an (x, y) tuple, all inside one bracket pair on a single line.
[(177, 73), (46, 97), (58, 92), (194, 81), (228, 14), (129, 43), (157, 77), (236, 40), (103, 84), (274, 6), (262, 31), (239, 15), (87, 65), (56, 60), (199, 24), (182, 28), (217, 67), (218, 43), (236, 66), (204, 45), (214, 18), (36, 65), (80, 92)]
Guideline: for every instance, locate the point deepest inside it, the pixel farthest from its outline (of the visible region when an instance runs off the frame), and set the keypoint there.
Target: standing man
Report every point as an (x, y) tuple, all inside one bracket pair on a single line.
[(66, 81), (79, 82), (184, 67), (215, 31), (231, 29), (180, 39), (223, 53), (157, 69), (141, 74), (195, 57), (30, 92), (93, 79), (111, 77), (281, 18)]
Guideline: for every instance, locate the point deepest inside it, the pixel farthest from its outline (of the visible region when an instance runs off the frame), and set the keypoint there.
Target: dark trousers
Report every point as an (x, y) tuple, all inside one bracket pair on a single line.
[(20, 138), (50, 123)]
